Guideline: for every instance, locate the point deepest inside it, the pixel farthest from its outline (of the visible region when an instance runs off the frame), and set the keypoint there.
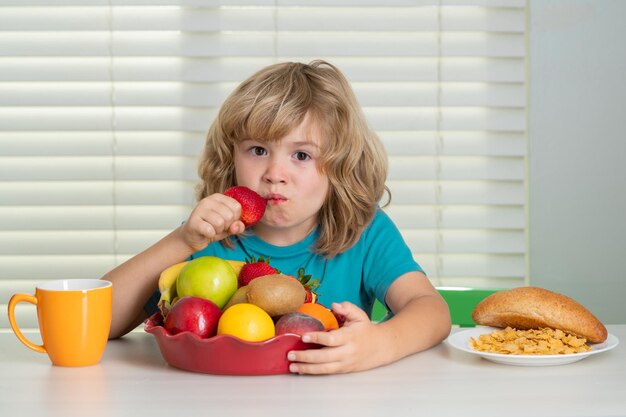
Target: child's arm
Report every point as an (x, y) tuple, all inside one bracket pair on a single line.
[(135, 280), (421, 320)]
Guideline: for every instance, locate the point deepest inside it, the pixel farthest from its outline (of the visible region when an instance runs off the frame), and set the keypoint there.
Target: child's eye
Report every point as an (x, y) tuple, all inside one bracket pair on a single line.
[(258, 150), (302, 156)]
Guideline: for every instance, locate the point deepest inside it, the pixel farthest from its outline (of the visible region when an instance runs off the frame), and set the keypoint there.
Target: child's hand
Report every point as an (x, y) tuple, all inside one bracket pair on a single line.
[(214, 218), (356, 346)]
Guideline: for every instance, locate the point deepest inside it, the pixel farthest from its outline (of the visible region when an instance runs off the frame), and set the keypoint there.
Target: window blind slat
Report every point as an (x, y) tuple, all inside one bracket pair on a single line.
[(174, 192), (101, 118), (233, 69), (460, 216), (302, 18), (455, 168), (388, 44), (458, 267), (454, 143), (58, 242), (401, 44), (22, 269), (197, 119), (126, 168), (418, 118), (90, 143), (61, 193), (97, 168), (154, 43), (197, 95), (458, 192), (91, 217), (466, 241), (162, 217), (492, 3)]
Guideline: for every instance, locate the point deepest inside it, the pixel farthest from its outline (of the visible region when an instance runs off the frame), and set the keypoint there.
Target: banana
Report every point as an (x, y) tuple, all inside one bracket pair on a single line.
[(237, 265), (167, 287)]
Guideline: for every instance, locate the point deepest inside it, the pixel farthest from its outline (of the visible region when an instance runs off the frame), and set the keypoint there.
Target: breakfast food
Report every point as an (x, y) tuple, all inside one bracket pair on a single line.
[(252, 205), (241, 338), (309, 285), (193, 314), (208, 277), (298, 323), (246, 322), (323, 314), (277, 294), (273, 293), (536, 308), (254, 268), (240, 296), (529, 342)]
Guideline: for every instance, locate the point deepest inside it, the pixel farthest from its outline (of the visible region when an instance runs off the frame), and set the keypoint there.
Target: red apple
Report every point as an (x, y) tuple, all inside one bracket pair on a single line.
[(193, 314), (298, 323)]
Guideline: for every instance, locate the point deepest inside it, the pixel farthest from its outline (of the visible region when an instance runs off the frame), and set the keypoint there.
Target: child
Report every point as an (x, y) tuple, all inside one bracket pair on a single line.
[(294, 133)]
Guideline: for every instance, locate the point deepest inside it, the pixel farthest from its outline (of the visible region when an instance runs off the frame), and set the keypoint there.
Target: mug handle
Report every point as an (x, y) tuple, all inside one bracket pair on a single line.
[(12, 303)]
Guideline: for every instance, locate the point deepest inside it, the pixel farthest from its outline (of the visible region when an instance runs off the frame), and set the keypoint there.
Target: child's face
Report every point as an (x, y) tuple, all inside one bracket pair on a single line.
[(285, 173)]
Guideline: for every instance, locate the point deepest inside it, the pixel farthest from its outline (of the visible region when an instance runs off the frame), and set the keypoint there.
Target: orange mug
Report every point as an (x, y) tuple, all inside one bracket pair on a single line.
[(74, 319)]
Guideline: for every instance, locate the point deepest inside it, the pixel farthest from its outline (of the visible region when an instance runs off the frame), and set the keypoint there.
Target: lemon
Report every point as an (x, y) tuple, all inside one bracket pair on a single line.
[(247, 322)]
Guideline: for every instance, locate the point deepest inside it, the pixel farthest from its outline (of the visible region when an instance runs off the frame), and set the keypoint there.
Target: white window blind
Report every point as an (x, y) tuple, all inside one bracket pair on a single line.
[(104, 106)]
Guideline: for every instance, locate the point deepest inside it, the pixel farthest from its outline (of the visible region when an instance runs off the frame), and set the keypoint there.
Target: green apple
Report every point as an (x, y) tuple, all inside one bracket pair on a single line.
[(208, 277)]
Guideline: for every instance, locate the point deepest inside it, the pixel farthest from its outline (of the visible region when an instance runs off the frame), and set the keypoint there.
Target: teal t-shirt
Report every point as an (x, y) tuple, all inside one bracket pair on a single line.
[(360, 275)]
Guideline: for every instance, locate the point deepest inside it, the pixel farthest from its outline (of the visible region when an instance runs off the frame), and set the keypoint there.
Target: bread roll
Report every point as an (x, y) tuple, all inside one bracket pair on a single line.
[(533, 308)]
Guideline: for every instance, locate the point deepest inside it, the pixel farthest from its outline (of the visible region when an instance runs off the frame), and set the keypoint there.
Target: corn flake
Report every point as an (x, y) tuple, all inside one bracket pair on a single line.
[(529, 342)]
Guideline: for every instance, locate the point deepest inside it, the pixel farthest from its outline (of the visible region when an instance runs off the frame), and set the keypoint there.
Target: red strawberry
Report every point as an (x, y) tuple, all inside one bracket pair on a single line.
[(311, 297), (309, 285), (254, 268), (252, 204)]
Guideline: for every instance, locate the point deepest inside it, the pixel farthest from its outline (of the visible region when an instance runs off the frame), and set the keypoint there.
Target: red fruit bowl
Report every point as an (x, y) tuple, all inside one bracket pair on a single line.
[(223, 354)]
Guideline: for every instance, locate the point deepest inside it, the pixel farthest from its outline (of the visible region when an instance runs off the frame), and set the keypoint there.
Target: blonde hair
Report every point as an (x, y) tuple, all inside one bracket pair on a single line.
[(274, 101)]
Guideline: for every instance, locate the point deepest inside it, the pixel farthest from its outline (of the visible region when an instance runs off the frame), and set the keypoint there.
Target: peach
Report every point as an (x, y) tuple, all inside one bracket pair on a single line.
[(298, 323)]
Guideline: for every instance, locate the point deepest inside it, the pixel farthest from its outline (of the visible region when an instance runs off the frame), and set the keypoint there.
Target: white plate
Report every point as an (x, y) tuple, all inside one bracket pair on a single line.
[(461, 340)]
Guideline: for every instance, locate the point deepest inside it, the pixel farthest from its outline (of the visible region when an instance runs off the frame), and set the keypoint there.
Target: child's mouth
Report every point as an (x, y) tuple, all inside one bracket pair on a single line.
[(275, 199)]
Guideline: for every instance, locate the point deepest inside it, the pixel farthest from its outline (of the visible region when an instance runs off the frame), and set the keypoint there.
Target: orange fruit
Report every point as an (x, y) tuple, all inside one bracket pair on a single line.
[(321, 313), (247, 322)]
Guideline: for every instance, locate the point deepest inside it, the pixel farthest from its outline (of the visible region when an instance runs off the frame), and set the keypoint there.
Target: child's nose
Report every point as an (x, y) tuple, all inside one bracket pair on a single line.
[(275, 173)]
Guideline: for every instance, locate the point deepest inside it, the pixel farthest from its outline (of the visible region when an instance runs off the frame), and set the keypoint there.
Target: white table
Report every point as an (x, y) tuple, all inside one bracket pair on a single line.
[(134, 380)]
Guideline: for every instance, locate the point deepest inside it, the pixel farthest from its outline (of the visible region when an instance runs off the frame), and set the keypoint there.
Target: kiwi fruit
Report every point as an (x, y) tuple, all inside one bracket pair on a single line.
[(277, 294), (240, 296)]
